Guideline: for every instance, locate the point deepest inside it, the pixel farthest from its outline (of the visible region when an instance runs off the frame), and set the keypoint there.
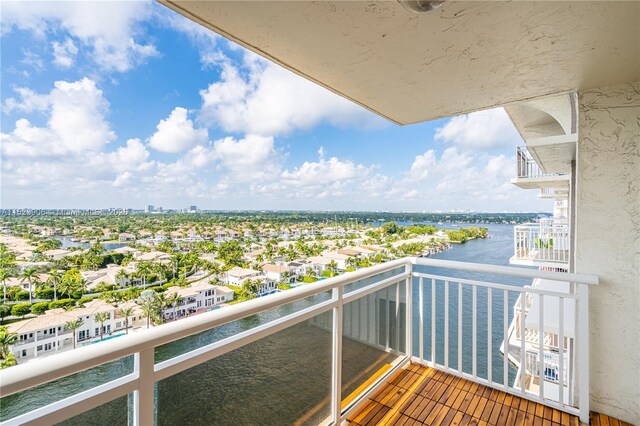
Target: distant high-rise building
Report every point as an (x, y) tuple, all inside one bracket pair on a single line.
[(148, 209), (193, 209)]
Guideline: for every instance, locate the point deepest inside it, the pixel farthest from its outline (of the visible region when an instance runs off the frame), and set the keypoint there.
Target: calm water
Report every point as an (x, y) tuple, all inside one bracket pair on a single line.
[(285, 377), (67, 243)]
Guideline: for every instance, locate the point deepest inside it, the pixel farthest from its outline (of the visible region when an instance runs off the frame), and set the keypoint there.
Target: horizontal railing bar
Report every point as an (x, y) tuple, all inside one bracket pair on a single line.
[(77, 404), (525, 289), (506, 270), (193, 358), (39, 371), (365, 291)]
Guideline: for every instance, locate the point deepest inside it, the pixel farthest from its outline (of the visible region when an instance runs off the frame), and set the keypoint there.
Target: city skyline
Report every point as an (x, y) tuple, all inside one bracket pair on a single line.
[(153, 109)]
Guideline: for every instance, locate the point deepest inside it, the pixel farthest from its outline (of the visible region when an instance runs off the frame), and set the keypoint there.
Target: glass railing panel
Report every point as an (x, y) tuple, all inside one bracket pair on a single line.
[(374, 335), (284, 378), (356, 285), (215, 334), (45, 394), (113, 413)]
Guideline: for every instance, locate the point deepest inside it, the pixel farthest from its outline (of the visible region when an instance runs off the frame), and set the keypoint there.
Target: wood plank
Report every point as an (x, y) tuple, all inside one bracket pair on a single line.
[(477, 413), (422, 416), (486, 413), (472, 405), (556, 416), (434, 413), (457, 419), (458, 402), (495, 414), (353, 395)]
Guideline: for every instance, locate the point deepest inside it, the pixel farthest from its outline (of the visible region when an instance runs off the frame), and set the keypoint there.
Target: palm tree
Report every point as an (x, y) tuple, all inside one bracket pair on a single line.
[(29, 275), (101, 317), (83, 285), (174, 300), (143, 269), (126, 312), (4, 274), (332, 266), (54, 278), (148, 301), (6, 339), (122, 275), (74, 325)]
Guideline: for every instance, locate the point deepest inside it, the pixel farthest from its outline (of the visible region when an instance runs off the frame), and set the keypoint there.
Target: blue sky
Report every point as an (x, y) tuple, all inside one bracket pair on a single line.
[(123, 104)]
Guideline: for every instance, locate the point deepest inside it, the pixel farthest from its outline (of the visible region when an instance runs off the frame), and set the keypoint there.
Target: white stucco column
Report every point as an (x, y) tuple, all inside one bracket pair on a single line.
[(608, 243)]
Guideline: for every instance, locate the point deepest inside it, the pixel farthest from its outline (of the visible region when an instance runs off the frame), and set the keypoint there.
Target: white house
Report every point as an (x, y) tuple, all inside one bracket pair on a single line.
[(57, 254), (46, 333), (236, 275), (278, 273), (198, 296)]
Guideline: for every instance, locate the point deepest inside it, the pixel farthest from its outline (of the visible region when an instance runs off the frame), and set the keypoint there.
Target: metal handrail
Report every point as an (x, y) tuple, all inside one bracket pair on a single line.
[(147, 372)]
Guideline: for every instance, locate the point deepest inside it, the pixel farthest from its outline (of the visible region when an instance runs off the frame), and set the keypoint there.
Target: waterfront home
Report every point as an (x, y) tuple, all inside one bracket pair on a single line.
[(122, 276), (47, 333), (57, 254), (152, 256), (195, 297), (318, 264), (279, 273), (125, 236), (339, 259), (125, 250), (236, 275)]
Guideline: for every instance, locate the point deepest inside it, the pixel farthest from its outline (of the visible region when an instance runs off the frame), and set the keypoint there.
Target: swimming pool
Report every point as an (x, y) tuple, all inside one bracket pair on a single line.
[(113, 336)]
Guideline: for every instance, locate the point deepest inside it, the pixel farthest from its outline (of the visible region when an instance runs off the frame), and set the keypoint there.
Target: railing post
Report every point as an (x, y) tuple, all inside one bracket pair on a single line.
[(409, 311), (144, 397), (583, 351), (336, 368)]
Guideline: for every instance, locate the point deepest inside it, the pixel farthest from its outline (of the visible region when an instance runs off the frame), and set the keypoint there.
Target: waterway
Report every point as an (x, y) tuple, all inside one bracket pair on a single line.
[(286, 377), (68, 243)]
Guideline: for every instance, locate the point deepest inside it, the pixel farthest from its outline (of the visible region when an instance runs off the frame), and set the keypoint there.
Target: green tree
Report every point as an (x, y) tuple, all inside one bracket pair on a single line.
[(55, 277), (391, 228), (101, 318), (73, 326), (4, 274), (125, 312), (21, 309), (149, 304), (142, 270), (29, 275), (39, 308), (175, 300), (7, 359)]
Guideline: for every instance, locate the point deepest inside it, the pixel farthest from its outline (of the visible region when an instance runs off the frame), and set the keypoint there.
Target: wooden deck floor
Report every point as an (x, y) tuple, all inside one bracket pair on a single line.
[(420, 395)]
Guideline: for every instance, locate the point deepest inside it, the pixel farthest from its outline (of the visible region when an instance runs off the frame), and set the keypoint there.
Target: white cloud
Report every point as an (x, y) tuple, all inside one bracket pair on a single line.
[(253, 158), (264, 98), (29, 101), (422, 165), (176, 133), (325, 172), (76, 121), (110, 29), (64, 53), (480, 130)]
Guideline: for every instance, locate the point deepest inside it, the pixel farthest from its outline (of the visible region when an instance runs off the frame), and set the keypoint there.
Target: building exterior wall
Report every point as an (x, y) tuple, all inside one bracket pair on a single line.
[(608, 243)]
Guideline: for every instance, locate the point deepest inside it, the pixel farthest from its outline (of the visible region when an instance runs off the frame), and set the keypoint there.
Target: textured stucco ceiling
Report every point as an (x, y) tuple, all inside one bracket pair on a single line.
[(463, 57)]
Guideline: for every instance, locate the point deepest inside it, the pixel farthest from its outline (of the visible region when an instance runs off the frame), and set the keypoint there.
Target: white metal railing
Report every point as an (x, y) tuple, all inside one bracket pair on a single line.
[(527, 167), (553, 193), (428, 305), (547, 241)]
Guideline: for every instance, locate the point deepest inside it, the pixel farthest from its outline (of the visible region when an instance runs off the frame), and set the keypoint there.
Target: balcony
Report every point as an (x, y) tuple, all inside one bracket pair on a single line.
[(314, 354), (529, 174), (541, 244), (554, 193)]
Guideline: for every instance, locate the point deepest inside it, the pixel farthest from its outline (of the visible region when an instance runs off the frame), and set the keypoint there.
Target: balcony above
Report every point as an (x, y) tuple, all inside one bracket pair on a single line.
[(556, 194), (529, 174)]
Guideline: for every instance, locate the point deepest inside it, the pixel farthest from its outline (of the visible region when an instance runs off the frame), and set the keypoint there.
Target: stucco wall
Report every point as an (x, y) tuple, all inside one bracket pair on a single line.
[(608, 243)]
